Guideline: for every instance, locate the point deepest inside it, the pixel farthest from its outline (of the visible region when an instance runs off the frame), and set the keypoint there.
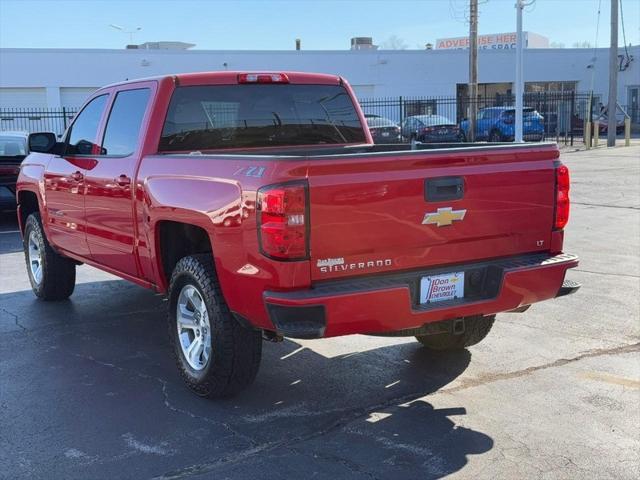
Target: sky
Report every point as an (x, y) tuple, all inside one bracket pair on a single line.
[(274, 25)]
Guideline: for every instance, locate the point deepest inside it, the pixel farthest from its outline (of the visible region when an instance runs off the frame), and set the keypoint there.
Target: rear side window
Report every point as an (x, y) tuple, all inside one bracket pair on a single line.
[(81, 139), (13, 146), (526, 112), (380, 122), (123, 127), (236, 116)]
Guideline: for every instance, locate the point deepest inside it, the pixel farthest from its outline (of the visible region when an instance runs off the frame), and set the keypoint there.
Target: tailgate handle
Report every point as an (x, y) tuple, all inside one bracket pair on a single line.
[(443, 188)]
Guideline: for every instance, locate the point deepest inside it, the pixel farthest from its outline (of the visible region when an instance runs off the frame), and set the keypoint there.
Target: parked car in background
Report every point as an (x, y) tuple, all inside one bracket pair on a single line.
[(577, 124), (498, 124), (383, 130), (13, 149), (431, 129)]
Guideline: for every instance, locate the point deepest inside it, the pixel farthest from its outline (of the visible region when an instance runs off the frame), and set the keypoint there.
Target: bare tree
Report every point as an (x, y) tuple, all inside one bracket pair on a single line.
[(582, 44), (394, 42), (556, 45)]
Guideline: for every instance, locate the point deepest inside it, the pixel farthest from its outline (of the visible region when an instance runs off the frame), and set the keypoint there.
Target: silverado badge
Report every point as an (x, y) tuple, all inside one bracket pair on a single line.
[(443, 217)]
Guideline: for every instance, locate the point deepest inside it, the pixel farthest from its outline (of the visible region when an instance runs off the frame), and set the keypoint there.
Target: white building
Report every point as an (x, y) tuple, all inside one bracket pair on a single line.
[(57, 78)]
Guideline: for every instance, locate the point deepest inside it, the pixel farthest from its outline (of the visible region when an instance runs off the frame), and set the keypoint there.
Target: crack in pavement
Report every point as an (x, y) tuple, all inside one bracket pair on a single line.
[(495, 377), (165, 394), (68, 327), (15, 319), (163, 382), (603, 205), (353, 467), (351, 416), (606, 273)]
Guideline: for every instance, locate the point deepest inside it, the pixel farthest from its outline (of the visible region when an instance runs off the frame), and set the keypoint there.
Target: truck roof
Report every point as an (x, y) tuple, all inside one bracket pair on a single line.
[(231, 78)]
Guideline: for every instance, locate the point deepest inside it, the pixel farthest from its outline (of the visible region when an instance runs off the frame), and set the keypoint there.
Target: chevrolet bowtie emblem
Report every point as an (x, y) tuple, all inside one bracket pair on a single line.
[(443, 217)]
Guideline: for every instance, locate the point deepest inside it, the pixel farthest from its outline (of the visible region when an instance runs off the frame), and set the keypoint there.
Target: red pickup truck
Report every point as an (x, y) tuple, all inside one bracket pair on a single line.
[(259, 204)]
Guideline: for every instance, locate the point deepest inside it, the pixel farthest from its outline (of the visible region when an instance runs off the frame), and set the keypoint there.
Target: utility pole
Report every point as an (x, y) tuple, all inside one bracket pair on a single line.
[(519, 83), (473, 68), (613, 77)]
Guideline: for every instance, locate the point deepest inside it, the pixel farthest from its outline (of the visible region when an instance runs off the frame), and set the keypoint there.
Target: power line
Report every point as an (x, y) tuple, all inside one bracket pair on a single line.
[(595, 49), (624, 35)]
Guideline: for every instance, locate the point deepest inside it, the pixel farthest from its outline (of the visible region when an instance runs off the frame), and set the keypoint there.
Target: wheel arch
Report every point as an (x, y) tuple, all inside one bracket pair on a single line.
[(174, 240), (28, 203)]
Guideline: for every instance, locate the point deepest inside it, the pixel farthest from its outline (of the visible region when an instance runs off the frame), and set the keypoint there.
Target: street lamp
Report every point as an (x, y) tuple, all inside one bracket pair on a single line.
[(125, 31)]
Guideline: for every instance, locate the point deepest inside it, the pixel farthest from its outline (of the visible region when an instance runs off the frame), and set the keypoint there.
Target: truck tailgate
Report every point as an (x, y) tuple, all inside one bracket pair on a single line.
[(388, 212)]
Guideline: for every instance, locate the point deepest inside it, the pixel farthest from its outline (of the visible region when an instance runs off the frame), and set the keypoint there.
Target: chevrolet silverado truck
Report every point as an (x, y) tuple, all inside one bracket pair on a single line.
[(258, 203)]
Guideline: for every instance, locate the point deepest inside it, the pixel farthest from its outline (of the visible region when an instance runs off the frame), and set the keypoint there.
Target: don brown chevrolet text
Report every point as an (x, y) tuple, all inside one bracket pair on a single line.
[(258, 203)]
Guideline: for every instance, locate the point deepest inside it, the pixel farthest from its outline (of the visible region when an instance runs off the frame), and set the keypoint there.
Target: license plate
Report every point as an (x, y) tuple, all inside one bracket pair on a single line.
[(438, 288), (385, 134)]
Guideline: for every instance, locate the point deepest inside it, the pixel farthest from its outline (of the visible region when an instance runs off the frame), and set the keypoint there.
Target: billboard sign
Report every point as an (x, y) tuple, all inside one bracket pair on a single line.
[(494, 41)]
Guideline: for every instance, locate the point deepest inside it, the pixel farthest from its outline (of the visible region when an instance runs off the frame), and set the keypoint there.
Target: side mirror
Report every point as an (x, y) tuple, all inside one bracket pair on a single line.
[(42, 142)]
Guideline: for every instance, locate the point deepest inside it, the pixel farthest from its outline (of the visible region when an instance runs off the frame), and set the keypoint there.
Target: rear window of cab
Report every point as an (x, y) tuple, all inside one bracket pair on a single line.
[(215, 117)]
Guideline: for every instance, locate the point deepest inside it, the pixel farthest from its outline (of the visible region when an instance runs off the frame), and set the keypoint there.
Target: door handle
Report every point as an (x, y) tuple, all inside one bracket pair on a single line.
[(77, 176), (123, 180)]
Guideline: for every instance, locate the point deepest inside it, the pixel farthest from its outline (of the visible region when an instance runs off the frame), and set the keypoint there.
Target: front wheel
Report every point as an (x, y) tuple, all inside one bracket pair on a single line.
[(475, 330), (216, 355), (52, 276), (495, 137)]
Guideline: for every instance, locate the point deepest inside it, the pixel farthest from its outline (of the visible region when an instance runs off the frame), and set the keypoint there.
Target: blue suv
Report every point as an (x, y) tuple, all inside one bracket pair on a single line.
[(497, 124)]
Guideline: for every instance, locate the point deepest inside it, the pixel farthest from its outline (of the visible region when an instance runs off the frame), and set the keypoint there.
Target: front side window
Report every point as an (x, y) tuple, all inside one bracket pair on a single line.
[(245, 116), (81, 139), (125, 120)]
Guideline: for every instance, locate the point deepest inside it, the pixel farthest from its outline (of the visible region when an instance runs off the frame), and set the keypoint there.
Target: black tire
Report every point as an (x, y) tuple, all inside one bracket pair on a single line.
[(236, 350), (475, 330), (462, 138), (495, 137), (58, 274)]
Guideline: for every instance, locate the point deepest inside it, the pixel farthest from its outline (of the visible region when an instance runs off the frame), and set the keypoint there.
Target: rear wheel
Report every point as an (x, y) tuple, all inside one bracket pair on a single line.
[(52, 276), (475, 330), (216, 355), (495, 137)]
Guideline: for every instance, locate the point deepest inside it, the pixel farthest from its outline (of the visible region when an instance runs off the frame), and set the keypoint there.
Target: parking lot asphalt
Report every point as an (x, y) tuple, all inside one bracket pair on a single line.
[(88, 388)]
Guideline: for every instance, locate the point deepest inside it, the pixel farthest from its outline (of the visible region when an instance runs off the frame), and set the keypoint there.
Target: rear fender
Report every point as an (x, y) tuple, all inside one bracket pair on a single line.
[(216, 205)]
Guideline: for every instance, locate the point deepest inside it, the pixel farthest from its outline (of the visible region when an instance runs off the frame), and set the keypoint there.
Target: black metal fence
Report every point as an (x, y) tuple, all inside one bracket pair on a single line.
[(564, 113), (36, 119)]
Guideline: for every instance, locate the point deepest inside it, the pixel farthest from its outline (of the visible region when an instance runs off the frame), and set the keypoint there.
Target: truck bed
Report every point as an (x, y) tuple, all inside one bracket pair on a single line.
[(318, 151)]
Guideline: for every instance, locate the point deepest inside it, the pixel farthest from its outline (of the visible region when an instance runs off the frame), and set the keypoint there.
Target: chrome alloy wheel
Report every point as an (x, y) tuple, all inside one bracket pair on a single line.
[(194, 330), (35, 258)]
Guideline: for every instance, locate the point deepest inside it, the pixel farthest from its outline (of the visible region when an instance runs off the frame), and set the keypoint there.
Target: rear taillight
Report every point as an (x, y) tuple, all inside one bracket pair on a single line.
[(283, 221), (562, 196)]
